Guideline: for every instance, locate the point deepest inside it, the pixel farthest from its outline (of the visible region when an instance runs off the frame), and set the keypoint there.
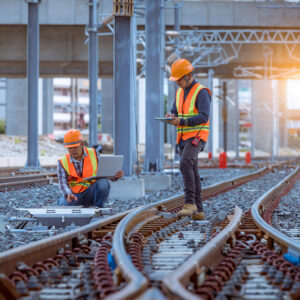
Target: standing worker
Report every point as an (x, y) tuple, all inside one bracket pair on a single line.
[(81, 163), (190, 114)]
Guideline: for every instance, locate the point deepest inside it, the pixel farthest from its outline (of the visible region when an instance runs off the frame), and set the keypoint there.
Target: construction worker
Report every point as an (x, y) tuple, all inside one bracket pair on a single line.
[(80, 163), (190, 114)]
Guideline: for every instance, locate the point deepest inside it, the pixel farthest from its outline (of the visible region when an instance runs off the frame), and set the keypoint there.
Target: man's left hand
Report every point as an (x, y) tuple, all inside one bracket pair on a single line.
[(119, 175), (175, 121)]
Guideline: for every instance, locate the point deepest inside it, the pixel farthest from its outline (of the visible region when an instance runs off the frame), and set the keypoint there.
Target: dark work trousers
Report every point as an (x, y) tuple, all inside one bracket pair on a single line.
[(190, 173)]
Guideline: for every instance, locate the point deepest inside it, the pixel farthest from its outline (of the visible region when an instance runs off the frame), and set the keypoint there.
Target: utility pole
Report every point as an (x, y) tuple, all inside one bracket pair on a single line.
[(224, 115), (33, 83)]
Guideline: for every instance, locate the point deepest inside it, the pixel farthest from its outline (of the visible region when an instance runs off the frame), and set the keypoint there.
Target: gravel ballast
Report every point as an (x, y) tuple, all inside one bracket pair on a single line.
[(214, 208)]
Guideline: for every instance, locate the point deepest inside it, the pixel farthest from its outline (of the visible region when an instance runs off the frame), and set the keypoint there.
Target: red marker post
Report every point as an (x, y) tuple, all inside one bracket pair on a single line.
[(223, 160), (248, 158), (209, 155)]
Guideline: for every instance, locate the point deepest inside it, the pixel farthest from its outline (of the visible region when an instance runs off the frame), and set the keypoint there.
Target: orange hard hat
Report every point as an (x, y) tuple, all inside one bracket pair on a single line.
[(180, 68), (73, 138)]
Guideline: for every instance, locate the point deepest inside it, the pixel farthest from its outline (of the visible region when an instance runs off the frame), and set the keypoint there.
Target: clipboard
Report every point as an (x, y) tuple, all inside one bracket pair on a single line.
[(165, 120)]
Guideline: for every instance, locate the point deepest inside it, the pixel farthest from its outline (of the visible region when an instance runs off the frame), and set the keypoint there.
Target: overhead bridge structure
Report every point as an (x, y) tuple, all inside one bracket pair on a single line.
[(123, 41)]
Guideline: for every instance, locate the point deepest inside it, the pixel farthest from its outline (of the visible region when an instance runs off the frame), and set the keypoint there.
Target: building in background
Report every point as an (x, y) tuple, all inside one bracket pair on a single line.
[(71, 104)]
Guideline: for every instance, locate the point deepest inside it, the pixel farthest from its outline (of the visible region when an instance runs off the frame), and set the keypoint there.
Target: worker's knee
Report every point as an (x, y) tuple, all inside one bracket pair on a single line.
[(103, 185), (185, 163)]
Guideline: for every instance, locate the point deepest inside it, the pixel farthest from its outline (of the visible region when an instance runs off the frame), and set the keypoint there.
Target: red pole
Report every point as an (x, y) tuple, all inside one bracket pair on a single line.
[(223, 160)]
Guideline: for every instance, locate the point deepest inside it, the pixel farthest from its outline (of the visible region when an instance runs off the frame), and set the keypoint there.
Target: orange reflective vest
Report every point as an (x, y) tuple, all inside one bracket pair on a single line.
[(186, 109), (90, 165)]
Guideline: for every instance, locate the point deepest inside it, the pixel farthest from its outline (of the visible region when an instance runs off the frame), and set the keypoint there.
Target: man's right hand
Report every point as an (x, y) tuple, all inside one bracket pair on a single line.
[(169, 115), (71, 197)]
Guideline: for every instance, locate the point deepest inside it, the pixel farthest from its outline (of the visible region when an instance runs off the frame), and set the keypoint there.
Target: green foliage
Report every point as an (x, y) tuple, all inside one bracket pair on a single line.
[(17, 141), (2, 126)]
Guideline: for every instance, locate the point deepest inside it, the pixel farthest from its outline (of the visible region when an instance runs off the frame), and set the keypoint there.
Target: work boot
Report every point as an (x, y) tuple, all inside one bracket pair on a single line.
[(198, 216), (187, 210)]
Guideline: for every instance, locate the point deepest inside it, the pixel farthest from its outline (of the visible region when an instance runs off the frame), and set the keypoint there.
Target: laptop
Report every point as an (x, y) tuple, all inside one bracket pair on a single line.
[(108, 166)]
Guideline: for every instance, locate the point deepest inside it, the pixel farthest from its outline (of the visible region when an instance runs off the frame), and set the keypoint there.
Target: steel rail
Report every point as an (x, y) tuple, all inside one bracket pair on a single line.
[(264, 202), (24, 178), (18, 170), (20, 181), (207, 256), (48, 247), (137, 283)]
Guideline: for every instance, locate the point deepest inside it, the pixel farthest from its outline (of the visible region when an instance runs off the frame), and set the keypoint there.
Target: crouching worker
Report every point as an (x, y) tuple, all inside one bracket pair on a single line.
[(81, 163)]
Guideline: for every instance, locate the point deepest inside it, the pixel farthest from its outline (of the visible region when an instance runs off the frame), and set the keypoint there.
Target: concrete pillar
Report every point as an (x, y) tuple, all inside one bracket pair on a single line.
[(16, 107), (107, 117), (154, 146), (215, 116), (93, 72), (262, 102), (237, 120), (283, 117), (2, 99), (47, 106), (142, 111), (123, 92)]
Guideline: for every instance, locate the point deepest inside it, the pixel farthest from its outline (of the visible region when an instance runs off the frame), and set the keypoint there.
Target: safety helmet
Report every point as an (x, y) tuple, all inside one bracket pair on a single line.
[(180, 68), (72, 138)]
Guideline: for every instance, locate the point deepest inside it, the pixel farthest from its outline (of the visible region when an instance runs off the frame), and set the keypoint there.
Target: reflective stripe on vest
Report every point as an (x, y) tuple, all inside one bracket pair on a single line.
[(186, 109), (90, 165)]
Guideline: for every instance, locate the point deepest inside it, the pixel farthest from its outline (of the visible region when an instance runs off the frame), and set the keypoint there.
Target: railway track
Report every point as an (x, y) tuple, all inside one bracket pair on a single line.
[(81, 255), (15, 178), (24, 180)]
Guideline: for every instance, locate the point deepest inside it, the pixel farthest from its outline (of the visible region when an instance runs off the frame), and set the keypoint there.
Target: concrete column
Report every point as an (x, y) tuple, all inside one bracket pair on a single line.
[(237, 120), (93, 72), (16, 107), (262, 104), (171, 130), (47, 106), (153, 86), (282, 97), (2, 99), (252, 122), (107, 118), (216, 116), (123, 66), (211, 129), (33, 82)]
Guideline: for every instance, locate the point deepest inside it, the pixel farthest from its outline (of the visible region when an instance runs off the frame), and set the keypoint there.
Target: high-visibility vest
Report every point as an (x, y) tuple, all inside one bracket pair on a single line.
[(187, 109), (90, 164)]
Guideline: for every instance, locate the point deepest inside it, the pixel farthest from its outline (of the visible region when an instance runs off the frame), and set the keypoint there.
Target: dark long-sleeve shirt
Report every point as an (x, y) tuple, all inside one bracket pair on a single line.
[(202, 103)]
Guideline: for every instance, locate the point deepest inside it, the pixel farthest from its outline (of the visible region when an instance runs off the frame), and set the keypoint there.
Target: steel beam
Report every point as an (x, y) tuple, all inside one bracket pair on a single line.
[(211, 129), (123, 68), (224, 114), (33, 80), (93, 72), (252, 122), (237, 119), (153, 85)]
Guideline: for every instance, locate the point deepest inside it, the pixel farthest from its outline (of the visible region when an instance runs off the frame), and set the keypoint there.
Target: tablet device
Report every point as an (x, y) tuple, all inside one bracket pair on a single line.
[(165, 120)]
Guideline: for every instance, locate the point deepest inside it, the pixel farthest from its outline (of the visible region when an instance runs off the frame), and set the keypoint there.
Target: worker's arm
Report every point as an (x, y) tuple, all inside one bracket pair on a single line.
[(174, 111), (203, 105), (174, 114), (63, 183)]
